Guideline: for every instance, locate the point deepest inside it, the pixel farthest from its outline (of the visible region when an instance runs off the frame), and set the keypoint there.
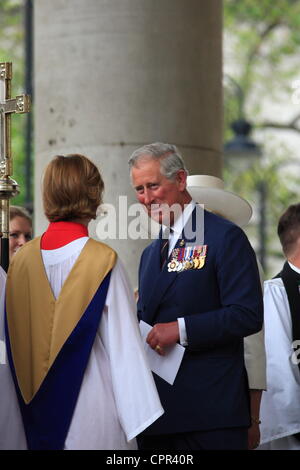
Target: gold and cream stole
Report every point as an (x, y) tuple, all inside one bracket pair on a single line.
[(39, 325)]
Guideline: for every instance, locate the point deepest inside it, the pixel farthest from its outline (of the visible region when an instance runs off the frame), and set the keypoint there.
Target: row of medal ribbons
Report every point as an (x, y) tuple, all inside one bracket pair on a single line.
[(190, 257)]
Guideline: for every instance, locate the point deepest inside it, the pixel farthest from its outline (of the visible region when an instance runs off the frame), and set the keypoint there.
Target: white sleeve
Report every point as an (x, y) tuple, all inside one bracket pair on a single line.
[(255, 352), (255, 360), (12, 436), (182, 332), (280, 411), (135, 392)]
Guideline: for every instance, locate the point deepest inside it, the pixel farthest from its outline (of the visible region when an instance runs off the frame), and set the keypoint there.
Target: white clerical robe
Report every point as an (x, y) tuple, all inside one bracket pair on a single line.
[(280, 405), (118, 397), (11, 426)]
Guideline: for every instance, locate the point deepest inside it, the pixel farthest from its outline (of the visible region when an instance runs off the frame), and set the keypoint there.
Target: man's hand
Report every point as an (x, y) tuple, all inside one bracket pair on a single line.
[(163, 335), (253, 436), (253, 431)]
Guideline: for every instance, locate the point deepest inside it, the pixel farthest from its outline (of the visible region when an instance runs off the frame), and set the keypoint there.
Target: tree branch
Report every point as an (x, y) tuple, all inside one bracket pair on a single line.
[(269, 28), (255, 51), (292, 125)]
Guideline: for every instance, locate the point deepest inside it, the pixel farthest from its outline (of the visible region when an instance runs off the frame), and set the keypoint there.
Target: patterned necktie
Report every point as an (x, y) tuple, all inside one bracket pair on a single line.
[(164, 251)]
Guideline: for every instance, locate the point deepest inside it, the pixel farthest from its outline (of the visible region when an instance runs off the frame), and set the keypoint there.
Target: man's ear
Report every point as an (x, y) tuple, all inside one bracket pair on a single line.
[(294, 253), (181, 177)]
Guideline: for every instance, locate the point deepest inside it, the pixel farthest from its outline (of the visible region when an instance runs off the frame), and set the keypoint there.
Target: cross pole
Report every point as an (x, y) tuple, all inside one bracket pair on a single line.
[(8, 187)]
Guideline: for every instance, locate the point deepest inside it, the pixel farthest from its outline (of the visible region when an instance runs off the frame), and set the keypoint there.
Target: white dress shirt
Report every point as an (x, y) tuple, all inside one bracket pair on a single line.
[(177, 229)]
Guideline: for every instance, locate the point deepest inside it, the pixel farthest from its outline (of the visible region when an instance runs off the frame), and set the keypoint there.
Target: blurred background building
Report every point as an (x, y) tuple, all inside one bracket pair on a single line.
[(107, 77)]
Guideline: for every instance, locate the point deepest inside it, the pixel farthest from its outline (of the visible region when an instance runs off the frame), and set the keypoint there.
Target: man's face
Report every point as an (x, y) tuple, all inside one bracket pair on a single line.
[(156, 192)]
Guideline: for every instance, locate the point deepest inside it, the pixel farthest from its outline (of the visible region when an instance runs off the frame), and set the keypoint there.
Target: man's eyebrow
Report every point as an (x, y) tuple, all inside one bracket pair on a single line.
[(147, 185)]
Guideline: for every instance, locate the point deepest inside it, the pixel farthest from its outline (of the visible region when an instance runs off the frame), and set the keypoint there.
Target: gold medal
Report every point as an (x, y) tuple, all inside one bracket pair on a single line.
[(172, 265), (196, 263), (202, 261), (191, 258), (202, 256), (186, 265)]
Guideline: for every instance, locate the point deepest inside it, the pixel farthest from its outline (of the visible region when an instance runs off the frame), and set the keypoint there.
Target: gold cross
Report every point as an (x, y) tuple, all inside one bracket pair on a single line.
[(8, 106), (8, 187)]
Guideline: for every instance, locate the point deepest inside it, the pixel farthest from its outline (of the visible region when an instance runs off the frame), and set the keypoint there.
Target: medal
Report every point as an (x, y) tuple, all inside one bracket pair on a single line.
[(196, 257), (180, 266), (172, 266), (185, 261), (188, 262), (202, 256), (190, 257), (179, 260), (173, 263)]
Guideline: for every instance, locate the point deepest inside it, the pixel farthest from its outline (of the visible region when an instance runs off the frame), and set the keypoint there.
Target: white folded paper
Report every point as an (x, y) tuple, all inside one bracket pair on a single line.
[(165, 366)]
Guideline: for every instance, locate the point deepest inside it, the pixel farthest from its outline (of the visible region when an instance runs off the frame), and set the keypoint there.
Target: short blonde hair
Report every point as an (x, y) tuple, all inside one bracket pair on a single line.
[(72, 188)]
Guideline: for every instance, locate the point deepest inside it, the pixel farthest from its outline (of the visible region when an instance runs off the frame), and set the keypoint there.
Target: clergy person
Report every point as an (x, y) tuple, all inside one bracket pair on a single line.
[(73, 341), (280, 411), (11, 427)]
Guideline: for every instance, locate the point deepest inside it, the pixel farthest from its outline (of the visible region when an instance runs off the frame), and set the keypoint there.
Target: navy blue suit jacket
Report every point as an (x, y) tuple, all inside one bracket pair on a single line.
[(221, 304)]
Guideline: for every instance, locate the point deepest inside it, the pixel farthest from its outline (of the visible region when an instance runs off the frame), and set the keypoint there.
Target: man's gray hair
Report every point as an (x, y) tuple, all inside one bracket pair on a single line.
[(170, 159)]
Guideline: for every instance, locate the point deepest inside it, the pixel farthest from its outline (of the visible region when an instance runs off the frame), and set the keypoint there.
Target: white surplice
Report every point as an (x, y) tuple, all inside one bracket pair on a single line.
[(11, 426), (280, 405), (118, 397)]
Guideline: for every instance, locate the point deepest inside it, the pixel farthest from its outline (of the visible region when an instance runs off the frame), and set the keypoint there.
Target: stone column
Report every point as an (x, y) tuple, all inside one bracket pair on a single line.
[(112, 75)]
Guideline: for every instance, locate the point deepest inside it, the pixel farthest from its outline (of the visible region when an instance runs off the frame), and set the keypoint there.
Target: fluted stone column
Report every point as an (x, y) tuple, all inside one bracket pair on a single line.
[(111, 75)]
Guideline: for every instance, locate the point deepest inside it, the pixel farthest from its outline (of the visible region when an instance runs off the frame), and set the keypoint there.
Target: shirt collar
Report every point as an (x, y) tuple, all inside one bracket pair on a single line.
[(294, 268), (181, 221)]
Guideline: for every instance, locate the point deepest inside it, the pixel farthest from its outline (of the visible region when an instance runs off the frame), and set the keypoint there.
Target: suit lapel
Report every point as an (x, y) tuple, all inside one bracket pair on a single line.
[(157, 282), (151, 272)]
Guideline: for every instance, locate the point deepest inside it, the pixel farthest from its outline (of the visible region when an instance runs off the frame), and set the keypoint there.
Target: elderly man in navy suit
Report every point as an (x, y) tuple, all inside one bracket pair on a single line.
[(206, 295)]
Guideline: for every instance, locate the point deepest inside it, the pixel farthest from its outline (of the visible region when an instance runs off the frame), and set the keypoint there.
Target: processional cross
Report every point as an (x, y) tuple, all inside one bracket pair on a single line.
[(8, 187)]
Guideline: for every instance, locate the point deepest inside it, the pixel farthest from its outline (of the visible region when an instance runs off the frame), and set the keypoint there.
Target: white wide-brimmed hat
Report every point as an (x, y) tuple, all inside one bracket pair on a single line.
[(209, 190)]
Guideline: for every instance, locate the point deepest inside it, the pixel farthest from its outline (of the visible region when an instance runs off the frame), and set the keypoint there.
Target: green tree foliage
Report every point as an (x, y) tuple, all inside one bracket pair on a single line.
[(12, 50), (263, 37), (266, 42)]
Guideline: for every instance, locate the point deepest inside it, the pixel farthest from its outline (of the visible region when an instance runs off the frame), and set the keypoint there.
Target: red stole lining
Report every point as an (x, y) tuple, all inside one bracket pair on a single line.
[(59, 234)]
